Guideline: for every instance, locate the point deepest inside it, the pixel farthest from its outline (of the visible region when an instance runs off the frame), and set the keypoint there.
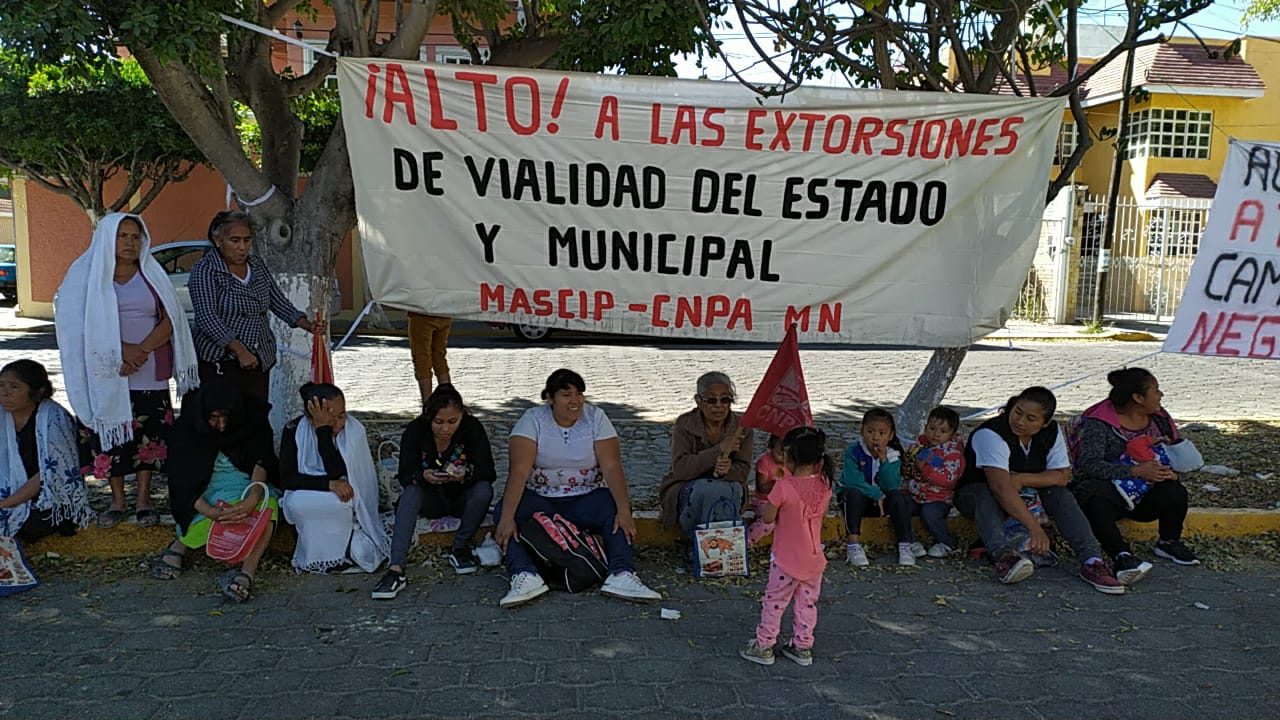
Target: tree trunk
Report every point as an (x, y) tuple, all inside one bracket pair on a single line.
[(930, 388)]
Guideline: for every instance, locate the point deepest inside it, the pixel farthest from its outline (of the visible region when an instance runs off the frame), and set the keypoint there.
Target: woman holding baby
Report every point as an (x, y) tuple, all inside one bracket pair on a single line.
[(1106, 439)]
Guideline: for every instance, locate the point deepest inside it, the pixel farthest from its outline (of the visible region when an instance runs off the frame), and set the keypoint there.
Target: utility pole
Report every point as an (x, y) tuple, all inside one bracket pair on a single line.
[(1113, 191)]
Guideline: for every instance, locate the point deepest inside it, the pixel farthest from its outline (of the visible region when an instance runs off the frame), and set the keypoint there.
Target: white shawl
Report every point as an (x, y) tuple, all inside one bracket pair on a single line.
[(313, 551), (62, 489), (87, 321)]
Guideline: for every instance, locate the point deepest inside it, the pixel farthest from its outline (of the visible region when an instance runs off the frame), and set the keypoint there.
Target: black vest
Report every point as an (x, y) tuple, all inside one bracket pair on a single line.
[(1033, 461)]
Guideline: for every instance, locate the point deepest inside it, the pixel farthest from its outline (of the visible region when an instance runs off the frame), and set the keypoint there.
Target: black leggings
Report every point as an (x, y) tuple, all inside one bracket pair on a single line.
[(1165, 502)]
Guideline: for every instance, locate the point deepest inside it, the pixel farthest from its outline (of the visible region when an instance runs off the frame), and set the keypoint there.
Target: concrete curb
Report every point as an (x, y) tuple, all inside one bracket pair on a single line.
[(129, 540)]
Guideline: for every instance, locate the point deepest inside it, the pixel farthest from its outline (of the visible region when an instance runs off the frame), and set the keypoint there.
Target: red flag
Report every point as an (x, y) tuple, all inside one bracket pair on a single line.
[(321, 364), (781, 403)]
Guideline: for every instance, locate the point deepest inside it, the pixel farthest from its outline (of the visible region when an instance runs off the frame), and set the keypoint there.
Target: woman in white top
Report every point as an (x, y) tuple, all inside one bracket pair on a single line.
[(565, 459), (122, 335)]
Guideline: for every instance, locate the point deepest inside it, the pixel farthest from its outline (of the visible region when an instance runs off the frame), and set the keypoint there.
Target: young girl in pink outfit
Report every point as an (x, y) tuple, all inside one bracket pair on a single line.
[(798, 503), (770, 468)]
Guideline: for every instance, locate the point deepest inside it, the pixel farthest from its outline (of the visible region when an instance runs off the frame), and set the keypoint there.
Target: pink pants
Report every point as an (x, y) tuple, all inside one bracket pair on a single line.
[(758, 528), (782, 589)]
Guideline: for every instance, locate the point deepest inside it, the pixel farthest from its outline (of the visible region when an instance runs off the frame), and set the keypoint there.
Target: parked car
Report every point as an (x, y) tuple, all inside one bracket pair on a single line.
[(9, 271), (177, 259), (526, 333)]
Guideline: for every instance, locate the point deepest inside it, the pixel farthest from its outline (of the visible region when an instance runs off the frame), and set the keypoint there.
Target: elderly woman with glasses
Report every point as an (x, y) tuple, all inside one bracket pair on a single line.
[(710, 458)]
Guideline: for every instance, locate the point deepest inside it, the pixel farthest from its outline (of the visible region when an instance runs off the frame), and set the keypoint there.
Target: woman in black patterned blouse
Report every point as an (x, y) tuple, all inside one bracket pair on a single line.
[(232, 292)]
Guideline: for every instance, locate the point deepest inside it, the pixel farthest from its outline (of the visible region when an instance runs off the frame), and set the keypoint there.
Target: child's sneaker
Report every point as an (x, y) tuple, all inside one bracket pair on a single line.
[(757, 654), (856, 556), (918, 550), (940, 550), (801, 656), (1176, 551), (1130, 569), (1096, 573), (906, 557)]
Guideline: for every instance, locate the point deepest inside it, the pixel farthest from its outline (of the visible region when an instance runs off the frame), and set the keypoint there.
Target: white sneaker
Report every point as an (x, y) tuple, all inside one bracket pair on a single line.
[(918, 550), (940, 550), (525, 586), (906, 557), (627, 586), (856, 556)]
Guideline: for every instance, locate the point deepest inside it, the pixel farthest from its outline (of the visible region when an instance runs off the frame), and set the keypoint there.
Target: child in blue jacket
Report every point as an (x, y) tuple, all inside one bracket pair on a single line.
[(871, 482)]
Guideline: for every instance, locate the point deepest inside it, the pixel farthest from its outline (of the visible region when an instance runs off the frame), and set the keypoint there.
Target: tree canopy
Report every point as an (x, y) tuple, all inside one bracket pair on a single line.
[(1261, 10), (72, 128)]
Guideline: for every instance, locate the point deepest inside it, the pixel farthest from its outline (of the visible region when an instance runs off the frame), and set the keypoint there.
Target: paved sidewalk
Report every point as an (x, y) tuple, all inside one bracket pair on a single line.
[(941, 641)]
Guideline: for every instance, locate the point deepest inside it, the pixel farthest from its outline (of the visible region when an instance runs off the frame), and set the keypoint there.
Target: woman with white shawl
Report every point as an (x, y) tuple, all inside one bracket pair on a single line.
[(331, 487), (41, 489), (122, 334)]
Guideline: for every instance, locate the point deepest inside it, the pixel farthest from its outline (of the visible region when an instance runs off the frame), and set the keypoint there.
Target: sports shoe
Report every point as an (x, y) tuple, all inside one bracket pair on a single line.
[(757, 654), (906, 557), (389, 586), (856, 556), (801, 656), (463, 561), (918, 550), (1096, 573), (940, 550), (1176, 551), (1130, 569), (525, 586), (627, 586), (1012, 567)]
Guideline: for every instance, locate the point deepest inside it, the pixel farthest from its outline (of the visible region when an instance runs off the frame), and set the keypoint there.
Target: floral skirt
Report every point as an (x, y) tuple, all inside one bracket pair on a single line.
[(152, 419)]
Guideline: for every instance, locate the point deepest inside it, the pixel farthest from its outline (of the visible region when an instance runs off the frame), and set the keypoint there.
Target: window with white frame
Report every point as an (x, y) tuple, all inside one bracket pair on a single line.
[(1166, 133), (1066, 142), (310, 56), (451, 55)]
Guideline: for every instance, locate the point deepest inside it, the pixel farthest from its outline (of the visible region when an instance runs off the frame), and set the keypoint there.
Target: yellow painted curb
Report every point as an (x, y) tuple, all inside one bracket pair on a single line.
[(128, 540)]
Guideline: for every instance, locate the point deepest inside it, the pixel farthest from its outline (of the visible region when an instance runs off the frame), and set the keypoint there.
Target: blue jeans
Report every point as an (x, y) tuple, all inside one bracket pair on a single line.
[(897, 505), (593, 512), (934, 515), (435, 501), (975, 500)]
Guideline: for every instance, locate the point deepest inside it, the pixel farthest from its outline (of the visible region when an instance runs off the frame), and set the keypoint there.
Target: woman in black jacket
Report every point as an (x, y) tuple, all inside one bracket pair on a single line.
[(446, 468)]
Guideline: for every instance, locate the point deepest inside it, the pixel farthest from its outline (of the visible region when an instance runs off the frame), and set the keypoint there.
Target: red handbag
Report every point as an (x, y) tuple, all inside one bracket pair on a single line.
[(232, 542)]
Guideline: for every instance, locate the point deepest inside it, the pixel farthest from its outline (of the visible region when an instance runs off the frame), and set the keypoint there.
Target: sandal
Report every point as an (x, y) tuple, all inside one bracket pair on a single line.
[(235, 585), (162, 569), (146, 517), (110, 518)]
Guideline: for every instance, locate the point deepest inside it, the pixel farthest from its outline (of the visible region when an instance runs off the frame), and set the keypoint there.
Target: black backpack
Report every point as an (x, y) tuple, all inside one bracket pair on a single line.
[(566, 556)]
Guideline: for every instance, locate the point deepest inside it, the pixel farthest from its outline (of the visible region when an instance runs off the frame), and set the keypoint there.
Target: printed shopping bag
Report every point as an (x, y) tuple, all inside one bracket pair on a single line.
[(15, 573), (232, 542), (388, 483), (720, 547)]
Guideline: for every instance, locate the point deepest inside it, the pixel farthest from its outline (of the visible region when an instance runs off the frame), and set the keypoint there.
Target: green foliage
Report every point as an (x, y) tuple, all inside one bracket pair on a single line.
[(82, 123), (1261, 10), (318, 111), (639, 37)]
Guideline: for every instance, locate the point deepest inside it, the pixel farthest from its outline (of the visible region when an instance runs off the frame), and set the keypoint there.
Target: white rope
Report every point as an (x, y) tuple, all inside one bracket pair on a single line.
[(277, 35), (1059, 386), (353, 327)]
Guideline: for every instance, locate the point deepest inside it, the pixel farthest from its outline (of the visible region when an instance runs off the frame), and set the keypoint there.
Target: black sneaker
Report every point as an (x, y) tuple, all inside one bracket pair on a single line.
[(463, 561), (1130, 569), (389, 586), (1174, 550)]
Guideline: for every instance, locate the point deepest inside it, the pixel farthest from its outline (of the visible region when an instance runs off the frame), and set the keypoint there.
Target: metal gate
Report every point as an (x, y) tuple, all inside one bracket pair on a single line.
[(1151, 256)]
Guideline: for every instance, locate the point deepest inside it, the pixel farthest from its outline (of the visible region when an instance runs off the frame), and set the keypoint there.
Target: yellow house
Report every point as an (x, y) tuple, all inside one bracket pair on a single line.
[(1193, 100)]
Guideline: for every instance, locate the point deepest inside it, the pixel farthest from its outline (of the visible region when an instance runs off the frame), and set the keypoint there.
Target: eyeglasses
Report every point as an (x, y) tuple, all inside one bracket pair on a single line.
[(722, 400)]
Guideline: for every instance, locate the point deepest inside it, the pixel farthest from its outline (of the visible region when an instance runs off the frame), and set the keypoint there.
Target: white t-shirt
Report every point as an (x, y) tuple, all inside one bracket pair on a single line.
[(991, 451), (138, 317), (566, 463)]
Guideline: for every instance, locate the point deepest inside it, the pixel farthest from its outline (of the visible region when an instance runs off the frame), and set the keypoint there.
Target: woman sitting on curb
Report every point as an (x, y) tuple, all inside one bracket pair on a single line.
[(219, 447), (1023, 447), (1131, 410), (41, 489), (331, 486), (446, 468), (710, 457), (566, 460)]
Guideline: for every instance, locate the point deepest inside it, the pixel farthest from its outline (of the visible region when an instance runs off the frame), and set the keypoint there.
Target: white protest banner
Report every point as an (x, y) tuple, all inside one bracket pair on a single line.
[(1231, 306), (687, 208)]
